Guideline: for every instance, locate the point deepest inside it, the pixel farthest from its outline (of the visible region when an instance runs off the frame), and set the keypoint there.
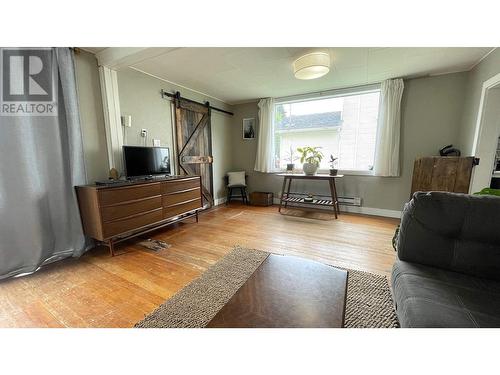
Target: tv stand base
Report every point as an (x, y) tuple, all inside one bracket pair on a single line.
[(110, 243)]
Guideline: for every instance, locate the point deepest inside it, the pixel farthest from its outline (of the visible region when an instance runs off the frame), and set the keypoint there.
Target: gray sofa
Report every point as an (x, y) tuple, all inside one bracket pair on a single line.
[(448, 269)]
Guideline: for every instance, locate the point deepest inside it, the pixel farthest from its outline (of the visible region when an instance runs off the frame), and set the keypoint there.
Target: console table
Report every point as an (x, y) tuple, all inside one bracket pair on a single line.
[(114, 213), (287, 197)]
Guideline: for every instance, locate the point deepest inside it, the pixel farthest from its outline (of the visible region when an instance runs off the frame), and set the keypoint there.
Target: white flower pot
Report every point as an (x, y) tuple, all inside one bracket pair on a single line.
[(310, 168)]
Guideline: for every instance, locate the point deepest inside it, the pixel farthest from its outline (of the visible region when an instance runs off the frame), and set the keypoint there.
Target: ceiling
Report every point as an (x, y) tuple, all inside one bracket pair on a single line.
[(236, 75), (93, 49)]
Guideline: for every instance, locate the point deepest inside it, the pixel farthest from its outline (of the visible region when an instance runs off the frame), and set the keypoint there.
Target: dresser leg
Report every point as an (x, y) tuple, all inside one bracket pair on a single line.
[(196, 216), (111, 246)]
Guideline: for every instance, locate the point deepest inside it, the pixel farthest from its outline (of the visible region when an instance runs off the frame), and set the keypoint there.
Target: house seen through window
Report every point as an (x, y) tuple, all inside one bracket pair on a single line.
[(343, 126)]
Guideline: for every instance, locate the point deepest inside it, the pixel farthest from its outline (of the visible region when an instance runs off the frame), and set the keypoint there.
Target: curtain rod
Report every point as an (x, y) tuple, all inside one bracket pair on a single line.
[(328, 92), (177, 95)]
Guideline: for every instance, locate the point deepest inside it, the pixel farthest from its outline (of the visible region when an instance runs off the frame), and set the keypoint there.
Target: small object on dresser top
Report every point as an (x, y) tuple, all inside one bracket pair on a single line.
[(111, 182), (113, 174)]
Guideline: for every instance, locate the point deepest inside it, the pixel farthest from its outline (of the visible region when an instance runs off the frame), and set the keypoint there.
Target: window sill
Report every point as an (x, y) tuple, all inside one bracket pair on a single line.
[(354, 173), (326, 171)]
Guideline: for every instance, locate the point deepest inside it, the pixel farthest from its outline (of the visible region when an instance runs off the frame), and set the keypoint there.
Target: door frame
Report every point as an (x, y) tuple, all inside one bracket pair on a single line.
[(479, 141)]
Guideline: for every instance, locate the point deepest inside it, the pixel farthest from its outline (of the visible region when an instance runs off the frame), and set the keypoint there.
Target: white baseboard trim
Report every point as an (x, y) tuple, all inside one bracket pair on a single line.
[(219, 201), (371, 211), (364, 210)]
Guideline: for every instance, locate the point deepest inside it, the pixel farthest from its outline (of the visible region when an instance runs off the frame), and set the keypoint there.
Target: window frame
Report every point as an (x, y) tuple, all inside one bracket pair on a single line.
[(343, 92)]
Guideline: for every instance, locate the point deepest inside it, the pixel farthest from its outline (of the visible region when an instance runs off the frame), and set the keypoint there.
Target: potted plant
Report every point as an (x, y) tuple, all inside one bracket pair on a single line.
[(333, 170), (311, 157), (290, 158)]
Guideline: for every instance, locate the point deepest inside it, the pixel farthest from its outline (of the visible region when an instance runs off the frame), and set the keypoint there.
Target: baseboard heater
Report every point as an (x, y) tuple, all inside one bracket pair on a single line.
[(350, 201)]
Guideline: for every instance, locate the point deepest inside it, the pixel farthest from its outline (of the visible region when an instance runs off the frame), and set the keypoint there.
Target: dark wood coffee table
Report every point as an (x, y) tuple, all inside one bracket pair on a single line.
[(286, 292)]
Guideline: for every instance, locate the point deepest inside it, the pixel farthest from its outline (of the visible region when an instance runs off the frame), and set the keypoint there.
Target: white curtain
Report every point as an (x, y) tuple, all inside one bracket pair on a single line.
[(42, 161), (264, 158), (389, 128)]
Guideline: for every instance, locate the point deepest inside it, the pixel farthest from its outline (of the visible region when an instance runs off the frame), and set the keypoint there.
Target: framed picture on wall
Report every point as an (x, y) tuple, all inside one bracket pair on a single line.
[(249, 128)]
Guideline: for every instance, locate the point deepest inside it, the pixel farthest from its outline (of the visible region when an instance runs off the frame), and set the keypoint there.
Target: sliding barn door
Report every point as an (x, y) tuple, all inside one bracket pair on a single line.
[(194, 144)]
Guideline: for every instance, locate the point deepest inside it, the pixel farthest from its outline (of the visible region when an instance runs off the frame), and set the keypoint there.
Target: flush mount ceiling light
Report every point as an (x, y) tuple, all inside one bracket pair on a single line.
[(311, 66)]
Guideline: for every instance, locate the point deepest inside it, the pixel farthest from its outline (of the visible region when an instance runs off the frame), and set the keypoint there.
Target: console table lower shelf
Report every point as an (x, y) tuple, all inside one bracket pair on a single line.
[(314, 202), (330, 201)]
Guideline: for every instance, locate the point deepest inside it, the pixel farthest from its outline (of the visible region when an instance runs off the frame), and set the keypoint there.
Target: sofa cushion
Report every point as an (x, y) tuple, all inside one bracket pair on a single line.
[(432, 297), (236, 179), (457, 232)]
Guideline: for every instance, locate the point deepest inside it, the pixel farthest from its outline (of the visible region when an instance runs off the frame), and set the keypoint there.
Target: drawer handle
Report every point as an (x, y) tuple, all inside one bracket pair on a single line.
[(131, 201), (135, 215), (184, 202)]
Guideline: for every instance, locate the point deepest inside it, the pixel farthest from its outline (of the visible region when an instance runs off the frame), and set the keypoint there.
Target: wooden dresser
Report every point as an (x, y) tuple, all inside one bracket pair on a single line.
[(442, 173), (111, 213)]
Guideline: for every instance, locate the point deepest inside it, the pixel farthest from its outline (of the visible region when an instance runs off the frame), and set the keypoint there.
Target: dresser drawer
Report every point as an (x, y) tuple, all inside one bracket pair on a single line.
[(179, 209), (113, 228), (129, 193), (185, 196), (127, 209), (180, 185)]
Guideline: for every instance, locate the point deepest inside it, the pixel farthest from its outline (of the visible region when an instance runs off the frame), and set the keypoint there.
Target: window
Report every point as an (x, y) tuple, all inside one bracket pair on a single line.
[(343, 125)]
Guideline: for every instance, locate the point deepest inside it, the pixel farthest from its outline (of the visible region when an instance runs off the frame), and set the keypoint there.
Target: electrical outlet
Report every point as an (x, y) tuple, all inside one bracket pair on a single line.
[(156, 143), (144, 133)]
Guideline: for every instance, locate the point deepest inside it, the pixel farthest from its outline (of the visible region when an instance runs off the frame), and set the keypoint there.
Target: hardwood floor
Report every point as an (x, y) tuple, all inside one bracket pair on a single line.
[(99, 291)]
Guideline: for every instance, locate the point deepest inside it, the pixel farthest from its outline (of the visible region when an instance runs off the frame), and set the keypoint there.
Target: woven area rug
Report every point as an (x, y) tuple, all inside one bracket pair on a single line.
[(369, 301)]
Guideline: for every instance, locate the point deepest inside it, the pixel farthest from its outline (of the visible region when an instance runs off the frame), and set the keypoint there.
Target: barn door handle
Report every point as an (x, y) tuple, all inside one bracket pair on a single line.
[(189, 159)]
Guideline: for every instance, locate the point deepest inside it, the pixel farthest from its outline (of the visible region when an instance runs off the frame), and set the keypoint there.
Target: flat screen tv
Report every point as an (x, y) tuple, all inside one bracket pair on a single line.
[(146, 161)]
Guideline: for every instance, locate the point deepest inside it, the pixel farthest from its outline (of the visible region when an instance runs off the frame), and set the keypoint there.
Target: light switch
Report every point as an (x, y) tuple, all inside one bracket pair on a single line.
[(127, 121)]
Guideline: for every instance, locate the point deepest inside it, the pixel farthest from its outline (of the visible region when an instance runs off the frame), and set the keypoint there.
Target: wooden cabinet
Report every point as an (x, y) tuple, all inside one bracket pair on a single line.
[(113, 213), (442, 173)]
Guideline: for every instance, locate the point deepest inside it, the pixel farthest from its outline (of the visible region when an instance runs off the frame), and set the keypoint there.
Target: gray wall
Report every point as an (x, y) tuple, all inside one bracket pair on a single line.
[(91, 116), (431, 113), (486, 69), (140, 97)]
